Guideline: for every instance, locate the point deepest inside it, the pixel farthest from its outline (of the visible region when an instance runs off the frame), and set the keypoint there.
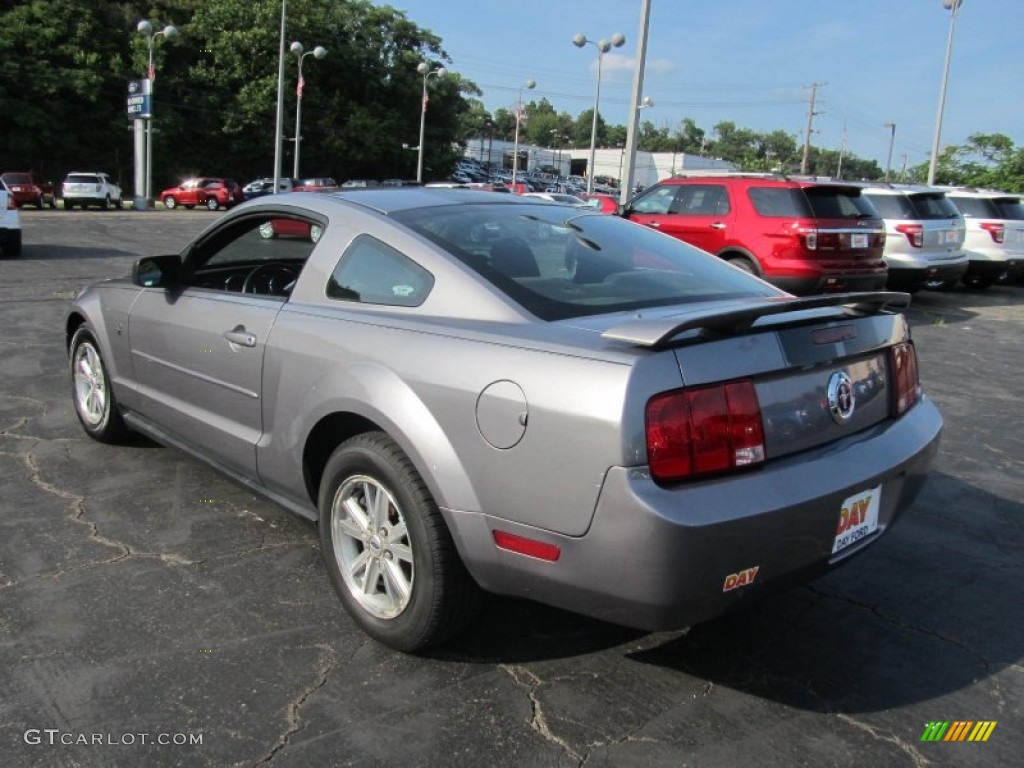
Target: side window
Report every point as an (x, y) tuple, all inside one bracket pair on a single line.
[(260, 255), (658, 200), (701, 200), (371, 272)]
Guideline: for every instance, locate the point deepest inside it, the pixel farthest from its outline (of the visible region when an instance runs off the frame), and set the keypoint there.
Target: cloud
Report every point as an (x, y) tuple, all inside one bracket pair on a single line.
[(615, 66)]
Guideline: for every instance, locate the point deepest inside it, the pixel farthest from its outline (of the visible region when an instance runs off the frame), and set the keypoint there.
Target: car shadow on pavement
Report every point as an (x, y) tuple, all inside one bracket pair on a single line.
[(930, 610), (48, 252)]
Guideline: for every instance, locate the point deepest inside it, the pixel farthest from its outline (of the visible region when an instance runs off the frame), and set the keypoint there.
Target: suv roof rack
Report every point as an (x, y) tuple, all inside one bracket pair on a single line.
[(687, 172)]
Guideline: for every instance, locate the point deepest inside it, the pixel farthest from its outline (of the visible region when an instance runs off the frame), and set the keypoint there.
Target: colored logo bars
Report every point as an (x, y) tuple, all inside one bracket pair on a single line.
[(958, 730)]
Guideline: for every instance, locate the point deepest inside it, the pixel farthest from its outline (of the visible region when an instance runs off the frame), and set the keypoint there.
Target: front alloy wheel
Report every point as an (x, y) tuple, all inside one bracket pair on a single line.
[(212, 204), (94, 399)]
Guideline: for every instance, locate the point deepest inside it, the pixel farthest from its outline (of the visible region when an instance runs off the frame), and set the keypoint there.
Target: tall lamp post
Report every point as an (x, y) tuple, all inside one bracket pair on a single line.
[(528, 85), (318, 53), (146, 28), (424, 69), (954, 7), (279, 120), (892, 140), (603, 46)]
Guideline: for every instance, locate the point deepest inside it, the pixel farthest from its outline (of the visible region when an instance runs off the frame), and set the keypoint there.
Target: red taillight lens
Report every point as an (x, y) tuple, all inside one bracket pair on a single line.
[(995, 229), (914, 233), (700, 431), (907, 385)]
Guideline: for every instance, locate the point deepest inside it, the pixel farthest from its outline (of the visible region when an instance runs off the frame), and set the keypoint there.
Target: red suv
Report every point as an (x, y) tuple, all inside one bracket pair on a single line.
[(212, 193), (803, 236), (28, 188)]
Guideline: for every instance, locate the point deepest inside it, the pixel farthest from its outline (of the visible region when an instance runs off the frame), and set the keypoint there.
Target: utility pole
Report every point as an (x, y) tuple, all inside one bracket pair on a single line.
[(903, 170), (892, 140), (810, 127), (842, 151)]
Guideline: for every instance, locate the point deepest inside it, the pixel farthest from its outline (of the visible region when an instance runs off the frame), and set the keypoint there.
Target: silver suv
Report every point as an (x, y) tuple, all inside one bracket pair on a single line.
[(995, 234), (93, 188), (924, 243)]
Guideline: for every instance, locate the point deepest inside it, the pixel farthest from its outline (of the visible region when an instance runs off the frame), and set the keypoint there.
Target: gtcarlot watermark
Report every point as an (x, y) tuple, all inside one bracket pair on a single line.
[(55, 736)]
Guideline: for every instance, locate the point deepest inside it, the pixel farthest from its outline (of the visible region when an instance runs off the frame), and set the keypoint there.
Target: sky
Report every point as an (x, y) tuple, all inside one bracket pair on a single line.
[(752, 62)]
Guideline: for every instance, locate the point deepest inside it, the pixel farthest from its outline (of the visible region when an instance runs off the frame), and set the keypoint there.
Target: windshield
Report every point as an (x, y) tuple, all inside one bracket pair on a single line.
[(558, 263)]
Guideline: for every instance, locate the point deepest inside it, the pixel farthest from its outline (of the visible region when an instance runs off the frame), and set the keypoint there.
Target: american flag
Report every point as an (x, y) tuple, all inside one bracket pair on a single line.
[(300, 86)]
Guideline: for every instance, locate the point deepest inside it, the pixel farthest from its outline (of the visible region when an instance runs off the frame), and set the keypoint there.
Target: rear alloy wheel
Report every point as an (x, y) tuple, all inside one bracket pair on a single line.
[(53, 202), (212, 204), (94, 399), (743, 263), (40, 203), (170, 203), (387, 549), (105, 205)]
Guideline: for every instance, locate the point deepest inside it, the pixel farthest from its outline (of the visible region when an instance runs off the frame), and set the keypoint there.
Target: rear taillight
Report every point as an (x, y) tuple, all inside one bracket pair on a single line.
[(907, 386), (995, 229), (914, 233), (700, 431)]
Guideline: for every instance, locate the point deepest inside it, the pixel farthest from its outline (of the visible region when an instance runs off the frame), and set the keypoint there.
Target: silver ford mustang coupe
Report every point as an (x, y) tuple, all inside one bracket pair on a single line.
[(474, 392)]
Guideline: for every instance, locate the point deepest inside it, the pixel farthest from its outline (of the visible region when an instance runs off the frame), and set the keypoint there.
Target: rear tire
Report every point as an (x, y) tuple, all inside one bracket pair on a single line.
[(91, 392), (387, 549), (745, 264), (212, 204)]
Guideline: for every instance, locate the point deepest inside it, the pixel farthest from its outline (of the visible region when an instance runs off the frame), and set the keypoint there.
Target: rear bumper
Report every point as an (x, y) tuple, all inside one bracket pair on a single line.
[(660, 558), (918, 276), (993, 270)]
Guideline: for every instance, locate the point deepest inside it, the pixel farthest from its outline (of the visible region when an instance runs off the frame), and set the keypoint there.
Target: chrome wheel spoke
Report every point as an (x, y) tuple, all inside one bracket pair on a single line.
[(401, 552), (371, 577), (397, 586), (350, 528)]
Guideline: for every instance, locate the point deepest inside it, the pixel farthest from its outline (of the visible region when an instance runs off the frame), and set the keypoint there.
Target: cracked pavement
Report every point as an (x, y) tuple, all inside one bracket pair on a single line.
[(141, 592)]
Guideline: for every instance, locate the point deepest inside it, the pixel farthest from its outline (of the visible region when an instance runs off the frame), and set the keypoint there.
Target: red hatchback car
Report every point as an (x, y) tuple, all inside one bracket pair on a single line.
[(804, 236), (28, 188), (209, 192)]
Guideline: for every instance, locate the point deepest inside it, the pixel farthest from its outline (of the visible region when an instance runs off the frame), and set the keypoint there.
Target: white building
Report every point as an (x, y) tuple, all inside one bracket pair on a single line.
[(651, 167)]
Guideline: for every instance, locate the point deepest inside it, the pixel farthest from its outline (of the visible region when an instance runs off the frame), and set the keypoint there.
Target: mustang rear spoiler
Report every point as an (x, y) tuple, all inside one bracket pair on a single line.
[(657, 332)]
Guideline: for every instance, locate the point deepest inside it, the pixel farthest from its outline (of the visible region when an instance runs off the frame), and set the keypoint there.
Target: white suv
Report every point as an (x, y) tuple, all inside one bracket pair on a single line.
[(995, 234), (10, 223), (90, 188), (924, 242)]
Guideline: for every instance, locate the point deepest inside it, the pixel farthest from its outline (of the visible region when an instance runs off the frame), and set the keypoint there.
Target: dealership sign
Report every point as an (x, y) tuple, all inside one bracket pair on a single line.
[(140, 105)]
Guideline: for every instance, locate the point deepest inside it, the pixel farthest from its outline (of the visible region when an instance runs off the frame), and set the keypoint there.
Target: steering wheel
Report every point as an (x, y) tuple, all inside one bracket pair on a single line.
[(270, 279)]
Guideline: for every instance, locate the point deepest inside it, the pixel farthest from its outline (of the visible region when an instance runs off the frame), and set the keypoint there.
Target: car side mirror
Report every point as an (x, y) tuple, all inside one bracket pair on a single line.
[(623, 210), (157, 272)]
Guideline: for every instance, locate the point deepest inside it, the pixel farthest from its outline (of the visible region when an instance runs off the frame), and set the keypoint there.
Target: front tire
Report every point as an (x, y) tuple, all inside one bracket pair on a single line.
[(170, 203), (387, 549), (91, 392), (212, 204)]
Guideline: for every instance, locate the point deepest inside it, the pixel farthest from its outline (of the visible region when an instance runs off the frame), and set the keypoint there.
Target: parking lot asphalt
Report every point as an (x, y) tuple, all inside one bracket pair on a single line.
[(144, 598)]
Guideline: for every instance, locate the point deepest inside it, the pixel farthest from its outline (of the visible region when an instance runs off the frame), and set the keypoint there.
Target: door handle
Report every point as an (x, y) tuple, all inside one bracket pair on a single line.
[(653, 224), (241, 337), (717, 225)]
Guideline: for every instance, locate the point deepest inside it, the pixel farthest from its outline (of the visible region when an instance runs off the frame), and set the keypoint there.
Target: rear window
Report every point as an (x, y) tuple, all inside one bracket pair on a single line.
[(839, 203), (559, 263), (1010, 208), (779, 201), (976, 207), (17, 178), (893, 206), (931, 205), (82, 178)]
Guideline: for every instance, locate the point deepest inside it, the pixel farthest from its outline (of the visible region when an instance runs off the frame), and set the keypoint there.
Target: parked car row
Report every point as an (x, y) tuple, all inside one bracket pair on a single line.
[(79, 188), (813, 236)]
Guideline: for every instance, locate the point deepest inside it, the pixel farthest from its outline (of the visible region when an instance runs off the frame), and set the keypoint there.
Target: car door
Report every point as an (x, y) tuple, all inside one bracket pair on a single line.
[(198, 350), (699, 214)]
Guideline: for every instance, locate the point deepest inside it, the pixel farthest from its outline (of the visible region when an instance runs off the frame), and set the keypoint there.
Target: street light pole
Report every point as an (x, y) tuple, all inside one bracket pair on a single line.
[(279, 123), (146, 28), (318, 53), (529, 85), (424, 69), (892, 140), (603, 46), (954, 7)]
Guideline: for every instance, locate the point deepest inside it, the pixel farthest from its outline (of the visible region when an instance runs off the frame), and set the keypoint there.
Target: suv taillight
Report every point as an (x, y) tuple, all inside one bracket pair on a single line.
[(907, 389), (700, 431), (996, 229), (914, 233)]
